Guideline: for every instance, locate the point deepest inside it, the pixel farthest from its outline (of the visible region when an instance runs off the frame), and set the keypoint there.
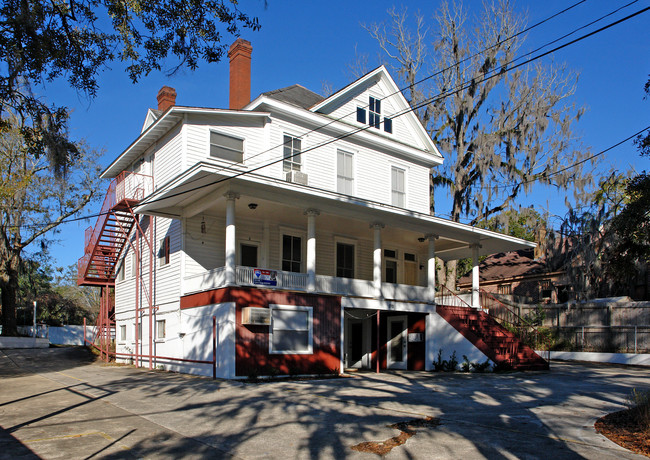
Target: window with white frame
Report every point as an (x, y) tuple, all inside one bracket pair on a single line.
[(161, 333), (344, 172), (291, 253), (120, 271), (165, 251), (374, 112), (291, 154), (134, 264), (291, 329), (226, 147), (123, 333), (344, 260), (398, 187), (137, 328)]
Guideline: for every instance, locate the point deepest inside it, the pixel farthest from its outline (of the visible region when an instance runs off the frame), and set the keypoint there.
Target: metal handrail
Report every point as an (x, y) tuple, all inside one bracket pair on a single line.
[(445, 293), (526, 331)]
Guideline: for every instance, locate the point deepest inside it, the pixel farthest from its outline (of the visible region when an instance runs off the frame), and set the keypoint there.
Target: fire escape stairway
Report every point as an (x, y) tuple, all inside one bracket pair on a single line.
[(495, 341), (110, 242)]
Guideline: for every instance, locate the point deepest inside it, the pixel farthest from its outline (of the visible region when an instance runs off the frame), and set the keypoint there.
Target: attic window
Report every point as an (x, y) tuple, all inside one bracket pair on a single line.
[(388, 125), (374, 107), (361, 115), (226, 147)]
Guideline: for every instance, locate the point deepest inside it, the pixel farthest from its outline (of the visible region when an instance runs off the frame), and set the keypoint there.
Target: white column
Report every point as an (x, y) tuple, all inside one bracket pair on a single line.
[(311, 248), (431, 267), (231, 238), (475, 284), (376, 258)]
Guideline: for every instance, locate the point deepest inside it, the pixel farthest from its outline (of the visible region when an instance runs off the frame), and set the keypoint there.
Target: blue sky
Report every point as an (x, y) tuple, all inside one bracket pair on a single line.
[(315, 43)]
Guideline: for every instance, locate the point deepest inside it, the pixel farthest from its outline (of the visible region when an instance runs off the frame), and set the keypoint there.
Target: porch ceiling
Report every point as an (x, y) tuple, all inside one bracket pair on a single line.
[(201, 191)]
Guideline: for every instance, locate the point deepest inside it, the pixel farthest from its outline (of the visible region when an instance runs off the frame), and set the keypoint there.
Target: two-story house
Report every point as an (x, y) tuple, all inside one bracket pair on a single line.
[(300, 223)]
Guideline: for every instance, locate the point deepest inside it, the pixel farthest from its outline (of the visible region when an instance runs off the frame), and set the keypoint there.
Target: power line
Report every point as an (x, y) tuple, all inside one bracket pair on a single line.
[(457, 89)]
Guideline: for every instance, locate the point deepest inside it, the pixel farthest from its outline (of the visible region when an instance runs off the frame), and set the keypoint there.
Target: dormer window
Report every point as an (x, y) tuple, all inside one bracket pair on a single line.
[(226, 147)]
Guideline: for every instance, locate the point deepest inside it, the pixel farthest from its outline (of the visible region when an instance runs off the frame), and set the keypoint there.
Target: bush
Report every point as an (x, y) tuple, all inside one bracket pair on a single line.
[(639, 404)]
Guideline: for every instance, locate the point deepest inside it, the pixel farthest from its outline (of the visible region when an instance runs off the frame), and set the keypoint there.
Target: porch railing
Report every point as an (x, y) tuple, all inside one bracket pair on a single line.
[(215, 278)]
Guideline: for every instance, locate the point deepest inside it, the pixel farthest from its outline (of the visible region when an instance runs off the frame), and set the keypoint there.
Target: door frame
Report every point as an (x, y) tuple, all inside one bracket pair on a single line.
[(397, 364)]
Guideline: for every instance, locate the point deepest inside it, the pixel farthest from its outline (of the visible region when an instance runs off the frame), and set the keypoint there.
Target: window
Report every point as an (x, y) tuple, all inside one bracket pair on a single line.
[(409, 257), (139, 331), (248, 255), (374, 115), (291, 154), (391, 271), (397, 187), (388, 125), (226, 147), (120, 271), (123, 333), (291, 329), (134, 265), (547, 289), (345, 260), (344, 172), (504, 289), (291, 253), (164, 251), (160, 329), (361, 115)]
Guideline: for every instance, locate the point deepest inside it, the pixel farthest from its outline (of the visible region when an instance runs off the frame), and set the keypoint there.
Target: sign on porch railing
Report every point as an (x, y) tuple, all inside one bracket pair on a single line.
[(265, 277)]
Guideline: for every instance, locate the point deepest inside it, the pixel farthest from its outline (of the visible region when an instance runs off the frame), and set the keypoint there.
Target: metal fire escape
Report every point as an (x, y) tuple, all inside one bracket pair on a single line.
[(116, 228)]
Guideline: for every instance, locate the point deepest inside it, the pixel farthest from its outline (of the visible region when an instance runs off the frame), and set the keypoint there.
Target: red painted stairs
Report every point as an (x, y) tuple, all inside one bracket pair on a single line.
[(495, 341)]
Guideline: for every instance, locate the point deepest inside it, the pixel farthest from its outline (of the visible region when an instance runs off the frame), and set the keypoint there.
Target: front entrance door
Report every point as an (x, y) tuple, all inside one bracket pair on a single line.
[(397, 343), (355, 344)]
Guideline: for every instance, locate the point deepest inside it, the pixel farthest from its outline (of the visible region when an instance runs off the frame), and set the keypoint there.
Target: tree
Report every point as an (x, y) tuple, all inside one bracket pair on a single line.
[(33, 202), (44, 40), (501, 131), (41, 41)]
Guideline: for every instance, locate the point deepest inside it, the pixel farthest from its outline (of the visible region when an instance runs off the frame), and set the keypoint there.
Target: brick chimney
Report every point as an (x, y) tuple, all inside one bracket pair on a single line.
[(240, 73), (166, 98)]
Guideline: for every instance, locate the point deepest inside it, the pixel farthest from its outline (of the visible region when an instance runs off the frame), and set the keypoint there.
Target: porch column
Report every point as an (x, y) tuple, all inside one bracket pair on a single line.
[(376, 258), (311, 248), (431, 267), (231, 240), (475, 294)]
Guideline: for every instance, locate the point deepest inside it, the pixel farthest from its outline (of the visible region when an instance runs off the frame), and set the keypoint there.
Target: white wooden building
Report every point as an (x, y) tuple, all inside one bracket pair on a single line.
[(313, 209)]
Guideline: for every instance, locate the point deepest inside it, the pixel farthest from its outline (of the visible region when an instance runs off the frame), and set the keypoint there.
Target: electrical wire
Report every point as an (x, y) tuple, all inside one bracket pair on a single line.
[(428, 101)]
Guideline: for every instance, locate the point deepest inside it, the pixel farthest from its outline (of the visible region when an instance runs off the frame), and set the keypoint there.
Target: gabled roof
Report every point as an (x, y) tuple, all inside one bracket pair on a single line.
[(296, 95), (507, 265), (380, 74)]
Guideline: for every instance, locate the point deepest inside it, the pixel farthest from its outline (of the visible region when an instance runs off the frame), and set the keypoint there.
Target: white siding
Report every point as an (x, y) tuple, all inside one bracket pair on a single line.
[(168, 154)]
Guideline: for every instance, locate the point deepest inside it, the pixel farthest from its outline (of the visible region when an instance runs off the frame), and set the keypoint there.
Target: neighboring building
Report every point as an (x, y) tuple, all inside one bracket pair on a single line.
[(301, 223), (521, 277)]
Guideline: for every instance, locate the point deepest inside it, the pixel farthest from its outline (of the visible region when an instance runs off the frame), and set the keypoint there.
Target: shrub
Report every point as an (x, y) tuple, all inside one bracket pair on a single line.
[(639, 404)]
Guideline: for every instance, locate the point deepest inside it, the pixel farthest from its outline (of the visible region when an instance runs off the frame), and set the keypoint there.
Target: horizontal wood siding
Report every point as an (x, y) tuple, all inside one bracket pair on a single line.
[(204, 251), (167, 156)]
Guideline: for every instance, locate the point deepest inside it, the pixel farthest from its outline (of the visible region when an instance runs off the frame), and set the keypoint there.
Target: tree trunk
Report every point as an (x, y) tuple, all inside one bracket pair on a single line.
[(8, 295)]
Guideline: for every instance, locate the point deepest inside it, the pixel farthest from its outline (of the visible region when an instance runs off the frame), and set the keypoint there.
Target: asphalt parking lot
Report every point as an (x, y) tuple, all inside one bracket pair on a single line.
[(59, 403)]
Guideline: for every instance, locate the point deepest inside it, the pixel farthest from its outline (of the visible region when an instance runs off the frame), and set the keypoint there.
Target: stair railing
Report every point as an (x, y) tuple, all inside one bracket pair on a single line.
[(523, 328), (448, 298)]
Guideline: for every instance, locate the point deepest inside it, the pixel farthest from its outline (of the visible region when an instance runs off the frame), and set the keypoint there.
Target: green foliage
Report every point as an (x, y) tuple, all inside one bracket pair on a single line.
[(481, 367), (41, 41), (536, 317), (444, 365)]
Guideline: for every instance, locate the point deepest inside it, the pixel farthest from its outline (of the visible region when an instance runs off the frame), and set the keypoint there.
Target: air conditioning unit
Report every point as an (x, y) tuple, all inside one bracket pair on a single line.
[(256, 316), (297, 177)]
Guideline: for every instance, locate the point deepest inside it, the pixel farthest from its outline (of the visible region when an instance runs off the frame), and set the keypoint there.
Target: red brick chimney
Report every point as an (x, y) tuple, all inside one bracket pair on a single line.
[(166, 98), (240, 73)]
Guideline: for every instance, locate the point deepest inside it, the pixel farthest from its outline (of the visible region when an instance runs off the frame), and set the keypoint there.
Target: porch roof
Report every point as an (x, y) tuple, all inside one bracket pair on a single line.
[(201, 189)]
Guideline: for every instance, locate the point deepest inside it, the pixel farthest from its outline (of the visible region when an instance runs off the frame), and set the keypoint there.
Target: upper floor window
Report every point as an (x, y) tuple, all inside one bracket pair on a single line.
[(291, 154), (345, 260), (291, 253), (374, 109), (226, 147), (165, 251), (344, 172), (388, 125), (397, 186)]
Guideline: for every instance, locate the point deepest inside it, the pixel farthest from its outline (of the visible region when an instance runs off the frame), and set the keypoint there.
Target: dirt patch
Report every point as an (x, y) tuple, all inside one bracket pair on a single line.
[(624, 429), (407, 428)]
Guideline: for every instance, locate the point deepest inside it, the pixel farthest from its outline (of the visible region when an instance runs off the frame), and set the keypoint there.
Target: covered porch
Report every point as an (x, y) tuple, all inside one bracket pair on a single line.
[(253, 230)]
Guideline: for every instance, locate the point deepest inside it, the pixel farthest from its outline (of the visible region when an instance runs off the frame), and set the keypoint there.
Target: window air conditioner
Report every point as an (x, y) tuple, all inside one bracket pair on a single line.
[(297, 177), (256, 316)]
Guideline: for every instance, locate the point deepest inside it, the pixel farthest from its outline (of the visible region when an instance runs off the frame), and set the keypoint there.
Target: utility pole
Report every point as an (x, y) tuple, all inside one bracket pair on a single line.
[(34, 318)]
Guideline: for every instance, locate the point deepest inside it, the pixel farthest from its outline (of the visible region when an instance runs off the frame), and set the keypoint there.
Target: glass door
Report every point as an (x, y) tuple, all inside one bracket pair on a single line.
[(397, 342)]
